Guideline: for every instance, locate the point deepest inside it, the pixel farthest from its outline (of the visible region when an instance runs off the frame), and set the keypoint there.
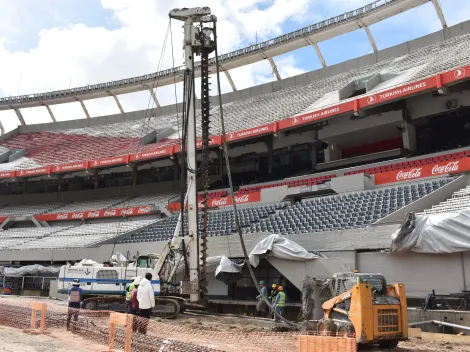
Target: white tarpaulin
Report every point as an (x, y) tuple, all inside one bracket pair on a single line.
[(439, 233), (30, 270), (228, 266), (280, 247)]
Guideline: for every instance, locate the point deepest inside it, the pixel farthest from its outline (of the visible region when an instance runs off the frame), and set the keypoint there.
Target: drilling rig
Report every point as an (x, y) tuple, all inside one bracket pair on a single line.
[(106, 284)]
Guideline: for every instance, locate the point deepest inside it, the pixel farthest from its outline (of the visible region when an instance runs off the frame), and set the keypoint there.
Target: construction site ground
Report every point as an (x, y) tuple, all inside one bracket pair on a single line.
[(60, 340)]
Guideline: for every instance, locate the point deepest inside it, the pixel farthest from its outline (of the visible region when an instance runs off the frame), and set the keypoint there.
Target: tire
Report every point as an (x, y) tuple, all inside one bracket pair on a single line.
[(389, 344), (345, 330), (326, 327), (90, 305)]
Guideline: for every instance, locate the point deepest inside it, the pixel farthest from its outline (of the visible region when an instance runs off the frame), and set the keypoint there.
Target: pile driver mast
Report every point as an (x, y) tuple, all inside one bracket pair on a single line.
[(198, 41)]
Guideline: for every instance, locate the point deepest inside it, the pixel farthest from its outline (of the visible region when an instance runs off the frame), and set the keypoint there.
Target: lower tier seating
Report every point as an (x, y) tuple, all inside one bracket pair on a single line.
[(336, 212), (460, 200)]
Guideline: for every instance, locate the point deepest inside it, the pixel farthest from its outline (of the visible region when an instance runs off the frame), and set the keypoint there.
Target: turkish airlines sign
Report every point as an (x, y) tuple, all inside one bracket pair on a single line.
[(429, 170), (152, 154), (317, 115), (98, 214), (223, 201), (81, 165), (251, 132), (117, 160)]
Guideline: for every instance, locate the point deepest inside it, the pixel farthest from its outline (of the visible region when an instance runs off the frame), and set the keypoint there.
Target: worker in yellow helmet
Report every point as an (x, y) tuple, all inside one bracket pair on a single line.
[(280, 302), (273, 294)]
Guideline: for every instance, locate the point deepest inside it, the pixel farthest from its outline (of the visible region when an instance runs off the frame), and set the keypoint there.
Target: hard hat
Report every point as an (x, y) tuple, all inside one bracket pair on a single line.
[(280, 288), (261, 282), (133, 279), (137, 280), (356, 271), (76, 282), (274, 286)]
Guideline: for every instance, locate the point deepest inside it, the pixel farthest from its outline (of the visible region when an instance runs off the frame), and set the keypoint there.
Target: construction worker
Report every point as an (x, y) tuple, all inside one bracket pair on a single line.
[(75, 295), (280, 302), (129, 289), (146, 298), (273, 294), (261, 307), (135, 304)]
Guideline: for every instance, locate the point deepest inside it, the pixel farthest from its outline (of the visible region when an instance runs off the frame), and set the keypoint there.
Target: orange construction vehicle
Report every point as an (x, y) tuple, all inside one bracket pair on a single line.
[(364, 306)]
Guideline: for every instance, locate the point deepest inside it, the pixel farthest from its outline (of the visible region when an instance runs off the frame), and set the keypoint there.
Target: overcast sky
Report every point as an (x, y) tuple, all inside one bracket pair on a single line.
[(56, 44)]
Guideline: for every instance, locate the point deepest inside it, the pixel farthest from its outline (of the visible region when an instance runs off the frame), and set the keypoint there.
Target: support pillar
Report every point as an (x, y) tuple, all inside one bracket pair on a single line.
[(318, 51), (229, 78), (269, 141), (371, 39), (273, 65), (313, 158), (50, 112), (333, 152), (221, 165), (154, 96), (409, 136), (439, 12), (20, 116), (85, 110), (117, 101), (2, 129)]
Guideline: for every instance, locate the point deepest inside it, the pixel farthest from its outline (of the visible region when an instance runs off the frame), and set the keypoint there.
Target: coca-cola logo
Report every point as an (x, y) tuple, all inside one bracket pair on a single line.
[(219, 202), (128, 211), (242, 199), (77, 216), (93, 214), (143, 210), (110, 212), (445, 169), (406, 175), (62, 216)]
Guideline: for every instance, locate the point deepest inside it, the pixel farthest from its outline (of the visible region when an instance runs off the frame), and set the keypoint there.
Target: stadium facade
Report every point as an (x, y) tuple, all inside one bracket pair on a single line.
[(332, 158)]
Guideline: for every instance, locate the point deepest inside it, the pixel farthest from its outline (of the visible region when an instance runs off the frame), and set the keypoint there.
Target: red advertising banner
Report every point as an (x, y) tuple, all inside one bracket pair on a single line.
[(213, 141), (436, 169), (152, 154), (7, 174), (3, 218), (117, 160), (223, 201), (316, 115), (251, 132), (455, 75), (96, 214), (398, 92), (80, 165), (46, 170)]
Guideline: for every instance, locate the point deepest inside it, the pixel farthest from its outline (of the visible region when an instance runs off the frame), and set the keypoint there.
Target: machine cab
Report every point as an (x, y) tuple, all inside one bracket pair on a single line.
[(345, 281)]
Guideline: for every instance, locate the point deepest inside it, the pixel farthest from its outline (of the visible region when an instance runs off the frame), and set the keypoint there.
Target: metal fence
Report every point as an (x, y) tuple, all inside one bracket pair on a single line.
[(18, 284)]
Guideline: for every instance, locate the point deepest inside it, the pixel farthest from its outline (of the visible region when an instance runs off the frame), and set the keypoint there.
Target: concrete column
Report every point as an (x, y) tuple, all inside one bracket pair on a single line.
[(221, 165), (332, 153), (96, 179), (313, 157), (371, 39), (50, 112), (439, 12), (269, 145), (2, 129), (85, 110), (20, 116), (118, 103), (229, 78), (409, 136), (154, 96), (317, 50)]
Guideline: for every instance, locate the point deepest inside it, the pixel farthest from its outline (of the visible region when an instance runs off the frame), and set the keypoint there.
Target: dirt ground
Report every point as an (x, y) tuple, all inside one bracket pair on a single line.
[(15, 340)]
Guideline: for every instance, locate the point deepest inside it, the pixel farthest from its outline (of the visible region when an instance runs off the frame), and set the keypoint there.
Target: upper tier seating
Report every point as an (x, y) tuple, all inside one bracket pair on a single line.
[(60, 146), (460, 200), (336, 212), (29, 209)]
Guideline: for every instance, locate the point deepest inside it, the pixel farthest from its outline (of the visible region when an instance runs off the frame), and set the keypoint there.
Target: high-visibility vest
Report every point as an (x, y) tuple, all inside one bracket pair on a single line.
[(273, 296), (282, 299), (129, 290)]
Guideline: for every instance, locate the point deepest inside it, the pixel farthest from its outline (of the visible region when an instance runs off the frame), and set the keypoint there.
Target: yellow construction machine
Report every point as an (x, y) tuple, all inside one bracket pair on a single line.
[(364, 306)]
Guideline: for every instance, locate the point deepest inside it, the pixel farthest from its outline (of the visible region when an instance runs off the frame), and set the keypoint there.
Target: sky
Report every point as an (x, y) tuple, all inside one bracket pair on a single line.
[(57, 44)]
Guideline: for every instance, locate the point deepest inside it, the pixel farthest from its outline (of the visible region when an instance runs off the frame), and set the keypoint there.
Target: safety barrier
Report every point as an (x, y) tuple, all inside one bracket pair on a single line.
[(117, 331)]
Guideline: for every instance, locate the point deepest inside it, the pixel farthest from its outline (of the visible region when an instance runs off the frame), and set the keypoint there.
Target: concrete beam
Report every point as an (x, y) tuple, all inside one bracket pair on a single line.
[(273, 65), (318, 51), (371, 39), (2, 129), (229, 78), (20, 116), (154, 96), (50, 112), (117, 102), (83, 107), (439, 12)]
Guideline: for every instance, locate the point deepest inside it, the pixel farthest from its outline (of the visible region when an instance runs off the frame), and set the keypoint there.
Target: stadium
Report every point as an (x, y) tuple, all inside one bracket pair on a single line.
[(333, 159)]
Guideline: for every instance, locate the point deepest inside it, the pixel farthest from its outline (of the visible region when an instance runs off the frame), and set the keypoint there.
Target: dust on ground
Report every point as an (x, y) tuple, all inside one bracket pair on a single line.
[(15, 340), (422, 346)]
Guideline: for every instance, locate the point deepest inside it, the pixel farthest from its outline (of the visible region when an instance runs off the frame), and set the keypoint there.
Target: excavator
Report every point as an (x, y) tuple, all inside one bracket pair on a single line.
[(364, 306)]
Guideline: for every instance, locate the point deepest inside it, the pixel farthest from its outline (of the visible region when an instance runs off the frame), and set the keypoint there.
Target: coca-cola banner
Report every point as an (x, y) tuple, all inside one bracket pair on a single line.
[(223, 201), (435, 169), (97, 214)]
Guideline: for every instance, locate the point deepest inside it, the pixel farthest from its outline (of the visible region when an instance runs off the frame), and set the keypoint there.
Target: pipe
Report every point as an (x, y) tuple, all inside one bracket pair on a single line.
[(440, 323)]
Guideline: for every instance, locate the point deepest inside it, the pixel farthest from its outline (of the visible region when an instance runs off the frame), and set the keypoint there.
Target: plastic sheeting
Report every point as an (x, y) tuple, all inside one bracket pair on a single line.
[(280, 247), (229, 270), (439, 233), (30, 270)]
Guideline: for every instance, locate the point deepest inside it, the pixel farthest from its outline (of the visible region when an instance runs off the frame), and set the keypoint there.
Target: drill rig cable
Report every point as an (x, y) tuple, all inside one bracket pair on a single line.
[(229, 175)]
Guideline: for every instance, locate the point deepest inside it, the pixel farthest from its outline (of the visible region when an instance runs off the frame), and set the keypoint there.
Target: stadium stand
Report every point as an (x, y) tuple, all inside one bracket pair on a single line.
[(29, 209), (336, 212), (59, 146), (460, 200)]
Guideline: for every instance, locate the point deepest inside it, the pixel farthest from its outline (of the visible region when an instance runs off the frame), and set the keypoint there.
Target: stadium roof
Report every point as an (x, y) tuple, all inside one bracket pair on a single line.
[(311, 35)]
